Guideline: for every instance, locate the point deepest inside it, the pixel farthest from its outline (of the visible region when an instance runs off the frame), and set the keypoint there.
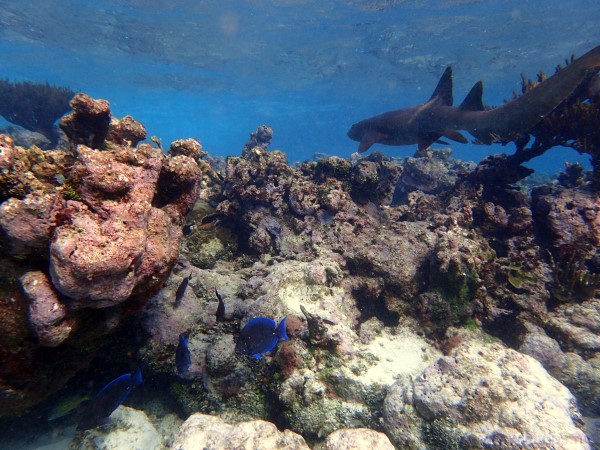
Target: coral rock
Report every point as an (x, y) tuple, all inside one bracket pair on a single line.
[(47, 314), (570, 218), (126, 131), (204, 431), (395, 256), (93, 261), (581, 376), (94, 223), (115, 243), (374, 181), (27, 224), (26, 170), (484, 395), (88, 123), (357, 439), (130, 429), (178, 185), (258, 142), (187, 147), (427, 174)]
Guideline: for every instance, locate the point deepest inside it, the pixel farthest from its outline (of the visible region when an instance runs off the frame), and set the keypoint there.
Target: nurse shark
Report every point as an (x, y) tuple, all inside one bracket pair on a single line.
[(426, 123)]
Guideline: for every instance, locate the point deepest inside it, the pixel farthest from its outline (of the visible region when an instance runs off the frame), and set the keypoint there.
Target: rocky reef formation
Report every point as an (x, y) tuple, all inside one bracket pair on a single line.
[(418, 297), (95, 226), (483, 396), (375, 271)]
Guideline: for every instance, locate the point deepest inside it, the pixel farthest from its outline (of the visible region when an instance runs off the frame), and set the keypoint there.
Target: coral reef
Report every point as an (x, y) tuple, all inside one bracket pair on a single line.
[(343, 266), (84, 228), (413, 289), (359, 259), (34, 106)]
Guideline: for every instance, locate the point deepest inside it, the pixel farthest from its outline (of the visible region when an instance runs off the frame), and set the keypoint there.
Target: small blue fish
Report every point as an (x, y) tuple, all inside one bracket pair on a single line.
[(183, 357), (108, 399), (259, 336)]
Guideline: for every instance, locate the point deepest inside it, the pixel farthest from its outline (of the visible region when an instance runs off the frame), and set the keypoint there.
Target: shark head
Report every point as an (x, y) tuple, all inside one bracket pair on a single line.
[(366, 133), (356, 131)]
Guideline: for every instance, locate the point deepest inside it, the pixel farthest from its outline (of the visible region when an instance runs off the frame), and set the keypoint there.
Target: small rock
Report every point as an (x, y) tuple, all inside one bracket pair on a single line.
[(204, 431), (357, 439), (129, 429), (187, 147), (47, 314)]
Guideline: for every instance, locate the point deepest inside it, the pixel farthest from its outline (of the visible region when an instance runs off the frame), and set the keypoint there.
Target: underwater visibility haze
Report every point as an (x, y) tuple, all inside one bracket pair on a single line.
[(308, 69), (299, 224)]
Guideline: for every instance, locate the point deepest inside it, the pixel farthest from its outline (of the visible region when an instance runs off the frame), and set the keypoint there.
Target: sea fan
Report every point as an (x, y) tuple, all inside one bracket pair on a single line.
[(34, 106)]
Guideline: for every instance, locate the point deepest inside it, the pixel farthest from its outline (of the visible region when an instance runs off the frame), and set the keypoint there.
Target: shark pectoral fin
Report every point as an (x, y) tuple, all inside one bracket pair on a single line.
[(425, 140), (455, 136), (368, 139)]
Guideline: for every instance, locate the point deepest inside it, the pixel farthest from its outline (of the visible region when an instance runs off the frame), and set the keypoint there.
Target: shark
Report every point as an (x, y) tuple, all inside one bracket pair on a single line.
[(427, 123)]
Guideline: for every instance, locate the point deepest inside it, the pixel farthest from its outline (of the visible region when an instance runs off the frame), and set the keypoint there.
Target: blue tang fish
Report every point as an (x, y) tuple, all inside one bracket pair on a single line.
[(108, 399), (259, 336), (183, 357)]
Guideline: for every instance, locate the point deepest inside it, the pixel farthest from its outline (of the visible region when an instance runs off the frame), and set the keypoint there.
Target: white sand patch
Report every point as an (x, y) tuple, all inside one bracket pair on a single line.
[(383, 361), (314, 298), (404, 353)]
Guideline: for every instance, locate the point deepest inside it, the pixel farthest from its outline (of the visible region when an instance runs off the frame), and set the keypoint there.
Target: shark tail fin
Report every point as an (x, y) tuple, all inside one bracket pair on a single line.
[(443, 91), (472, 101)]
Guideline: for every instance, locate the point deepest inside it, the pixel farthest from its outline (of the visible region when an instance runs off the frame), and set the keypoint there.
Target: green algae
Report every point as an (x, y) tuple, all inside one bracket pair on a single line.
[(517, 275), (69, 192), (442, 434)]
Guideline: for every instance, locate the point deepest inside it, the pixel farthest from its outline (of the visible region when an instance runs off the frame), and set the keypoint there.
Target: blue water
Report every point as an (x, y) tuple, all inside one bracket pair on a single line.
[(309, 68)]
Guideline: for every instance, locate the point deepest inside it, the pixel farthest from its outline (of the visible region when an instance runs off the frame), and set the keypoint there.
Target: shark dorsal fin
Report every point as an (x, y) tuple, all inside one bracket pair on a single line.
[(443, 91), (472, 101)]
